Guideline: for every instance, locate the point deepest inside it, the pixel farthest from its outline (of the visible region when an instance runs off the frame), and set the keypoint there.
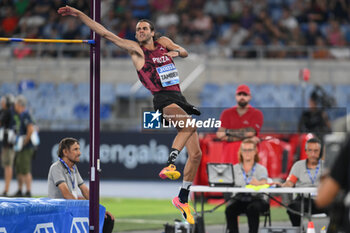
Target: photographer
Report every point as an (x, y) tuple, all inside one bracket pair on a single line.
[(315, 119), (337, 180), (7, 153)]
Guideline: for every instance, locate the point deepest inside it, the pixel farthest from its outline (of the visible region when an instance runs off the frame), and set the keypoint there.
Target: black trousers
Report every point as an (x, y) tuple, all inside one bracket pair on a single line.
[(296, 205), (251, 208)]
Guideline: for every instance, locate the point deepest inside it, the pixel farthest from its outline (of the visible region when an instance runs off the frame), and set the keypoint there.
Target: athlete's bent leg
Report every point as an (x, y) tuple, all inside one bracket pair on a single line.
[(194, 157), (191, 167), (177, 115), (173, 113)]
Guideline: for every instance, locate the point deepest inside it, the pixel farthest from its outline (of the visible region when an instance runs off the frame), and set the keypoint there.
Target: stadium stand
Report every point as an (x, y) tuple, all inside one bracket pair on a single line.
[(275, 23)]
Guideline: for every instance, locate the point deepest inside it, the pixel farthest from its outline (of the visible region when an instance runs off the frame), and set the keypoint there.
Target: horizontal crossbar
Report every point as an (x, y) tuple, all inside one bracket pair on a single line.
[(4, 39)]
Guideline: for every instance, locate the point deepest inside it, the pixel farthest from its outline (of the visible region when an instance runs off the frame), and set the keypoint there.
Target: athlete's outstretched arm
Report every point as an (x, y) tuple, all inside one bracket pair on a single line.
[(129, 45), (174, 49)]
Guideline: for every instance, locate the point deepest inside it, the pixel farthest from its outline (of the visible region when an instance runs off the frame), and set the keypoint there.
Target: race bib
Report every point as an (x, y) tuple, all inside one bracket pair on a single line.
[(168, 75)]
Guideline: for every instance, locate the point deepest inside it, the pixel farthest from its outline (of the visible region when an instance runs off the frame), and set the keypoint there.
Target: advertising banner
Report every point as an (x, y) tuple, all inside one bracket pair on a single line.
[(123, 155)]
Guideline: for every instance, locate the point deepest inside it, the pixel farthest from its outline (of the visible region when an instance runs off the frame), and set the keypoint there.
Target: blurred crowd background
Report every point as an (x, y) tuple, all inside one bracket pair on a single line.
[(216, 25)]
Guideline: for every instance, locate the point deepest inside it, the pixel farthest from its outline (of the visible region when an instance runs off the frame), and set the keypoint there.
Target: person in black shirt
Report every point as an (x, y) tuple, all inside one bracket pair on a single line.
[(337, 180), (315, 119), (7, 152)]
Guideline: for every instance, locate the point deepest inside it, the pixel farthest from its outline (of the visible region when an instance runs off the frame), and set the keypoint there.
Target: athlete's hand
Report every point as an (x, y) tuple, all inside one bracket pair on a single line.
[(172, 54), (67, 10)]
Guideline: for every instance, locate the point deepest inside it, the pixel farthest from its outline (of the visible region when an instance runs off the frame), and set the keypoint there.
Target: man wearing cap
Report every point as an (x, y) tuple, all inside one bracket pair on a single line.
[(238, 123)]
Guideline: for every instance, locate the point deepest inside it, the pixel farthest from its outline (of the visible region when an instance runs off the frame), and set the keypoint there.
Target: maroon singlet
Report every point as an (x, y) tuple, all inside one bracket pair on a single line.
[(149, 76)]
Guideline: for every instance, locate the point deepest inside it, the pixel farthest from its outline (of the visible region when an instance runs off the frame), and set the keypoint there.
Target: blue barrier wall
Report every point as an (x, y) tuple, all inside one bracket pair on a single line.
[(36, 215)]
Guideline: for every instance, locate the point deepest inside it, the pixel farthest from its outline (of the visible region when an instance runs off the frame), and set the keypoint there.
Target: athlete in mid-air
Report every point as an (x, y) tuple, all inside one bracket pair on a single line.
[(153, 60)]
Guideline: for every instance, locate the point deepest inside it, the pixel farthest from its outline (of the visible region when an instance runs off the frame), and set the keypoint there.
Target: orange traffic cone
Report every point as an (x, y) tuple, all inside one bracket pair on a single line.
[(310, 227)]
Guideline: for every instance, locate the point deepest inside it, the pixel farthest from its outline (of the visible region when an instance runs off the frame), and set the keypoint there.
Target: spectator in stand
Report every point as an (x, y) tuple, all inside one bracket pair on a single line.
[(297, 8), (185, 25), (140, 9), (10, 22), (236, 8), (166, 18), (121, 8), (321, 52), (161, 5), (196, 4), (339, 10), (295, 38), (312, 11), (258, 6), (288, 21), (21, 6), (238, 123), (312, 33), (31, 20), (215, 8), (258, 30), (317, 11), (110, 21), (182, 6), (335, 36), (202, 25), (4, 4), (233, 37), (247, 18), (173, 34)]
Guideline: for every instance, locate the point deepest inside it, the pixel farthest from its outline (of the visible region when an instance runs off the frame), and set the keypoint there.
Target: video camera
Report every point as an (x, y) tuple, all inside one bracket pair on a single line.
[(322, 98), (333, 144)]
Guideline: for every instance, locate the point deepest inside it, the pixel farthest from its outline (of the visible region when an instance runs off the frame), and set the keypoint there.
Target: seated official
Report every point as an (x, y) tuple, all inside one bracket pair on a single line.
[(247, 171), (238, 123), (305, 173), (64, 180)]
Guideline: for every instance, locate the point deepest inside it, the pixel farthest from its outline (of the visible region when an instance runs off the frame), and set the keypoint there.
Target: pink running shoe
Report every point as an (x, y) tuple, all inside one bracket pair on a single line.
[(185, 210), (169, 172)]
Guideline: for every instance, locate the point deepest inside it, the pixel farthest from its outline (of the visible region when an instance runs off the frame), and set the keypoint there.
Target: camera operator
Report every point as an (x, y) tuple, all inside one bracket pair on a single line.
[(315, 119), (7, 153), (337, 180)]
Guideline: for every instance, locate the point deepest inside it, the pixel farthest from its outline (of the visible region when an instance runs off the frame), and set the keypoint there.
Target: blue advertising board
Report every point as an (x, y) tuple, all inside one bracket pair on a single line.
[(36, 215)]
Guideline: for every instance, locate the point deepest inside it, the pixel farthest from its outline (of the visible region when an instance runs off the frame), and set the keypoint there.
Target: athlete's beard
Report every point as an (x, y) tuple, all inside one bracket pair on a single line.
[(145, 41), (242, 104)]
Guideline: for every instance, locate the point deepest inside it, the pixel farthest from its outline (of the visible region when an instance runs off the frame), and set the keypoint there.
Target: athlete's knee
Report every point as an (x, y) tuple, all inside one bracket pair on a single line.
[(196, 157), (192, 128), (187, 128)]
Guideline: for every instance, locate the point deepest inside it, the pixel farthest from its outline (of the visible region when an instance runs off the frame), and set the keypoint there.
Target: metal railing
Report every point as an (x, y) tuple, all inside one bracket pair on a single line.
[(110, 51)]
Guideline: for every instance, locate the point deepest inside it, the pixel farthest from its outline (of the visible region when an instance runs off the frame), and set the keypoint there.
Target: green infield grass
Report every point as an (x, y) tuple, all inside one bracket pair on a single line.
[(146, 214)]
